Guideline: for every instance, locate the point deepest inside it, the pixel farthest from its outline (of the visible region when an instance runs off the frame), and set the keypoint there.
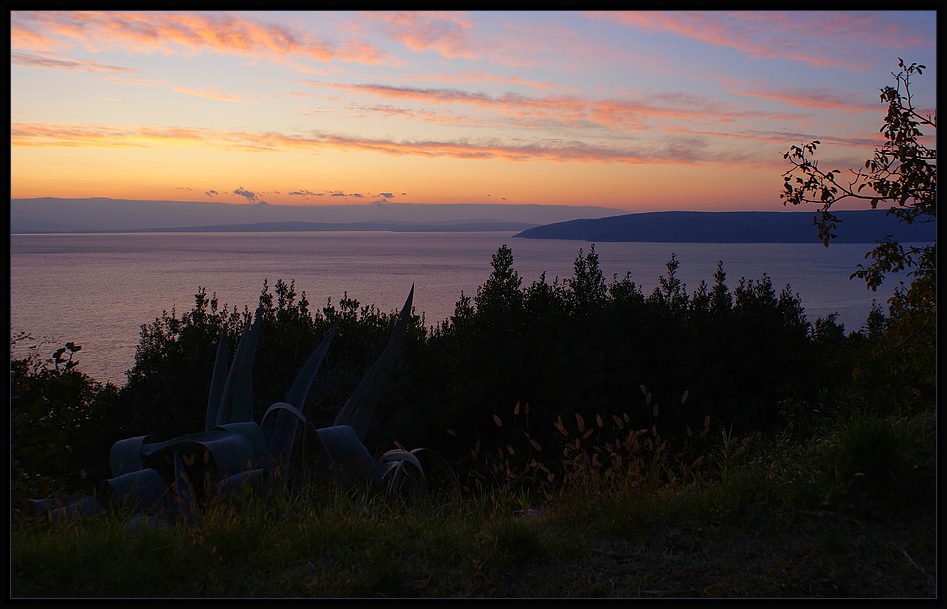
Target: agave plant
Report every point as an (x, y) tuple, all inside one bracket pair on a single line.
[(233, 451)]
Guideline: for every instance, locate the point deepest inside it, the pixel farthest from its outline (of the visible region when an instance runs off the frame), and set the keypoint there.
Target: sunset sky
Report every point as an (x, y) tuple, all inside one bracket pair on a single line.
[(637, 111)]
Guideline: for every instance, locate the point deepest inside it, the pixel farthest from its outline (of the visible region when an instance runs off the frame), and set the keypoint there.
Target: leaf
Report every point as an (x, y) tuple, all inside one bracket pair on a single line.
[(217, 382), (283, 435), (238, 382), (142, 489), (125, 455), (362, 414), (184, 496), (242, 407), (354, 463), (253, 478), (231, 451)]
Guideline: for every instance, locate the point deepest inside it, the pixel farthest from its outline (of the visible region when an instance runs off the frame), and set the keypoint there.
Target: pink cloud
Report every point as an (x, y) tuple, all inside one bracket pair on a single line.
[(443, 32), (52, 63), (481, 76), (819, 38), (820, 99), (190, 32)]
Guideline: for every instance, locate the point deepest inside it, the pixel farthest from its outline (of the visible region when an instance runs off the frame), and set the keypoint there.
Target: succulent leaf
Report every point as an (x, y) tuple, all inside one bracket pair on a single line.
[(217, 381)]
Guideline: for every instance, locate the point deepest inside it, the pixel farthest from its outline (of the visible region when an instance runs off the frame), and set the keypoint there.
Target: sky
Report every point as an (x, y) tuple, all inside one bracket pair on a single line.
[(638, 111)]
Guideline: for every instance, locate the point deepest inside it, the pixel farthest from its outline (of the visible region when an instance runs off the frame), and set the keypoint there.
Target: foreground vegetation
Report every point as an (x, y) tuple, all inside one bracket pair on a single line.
[(849, 512)]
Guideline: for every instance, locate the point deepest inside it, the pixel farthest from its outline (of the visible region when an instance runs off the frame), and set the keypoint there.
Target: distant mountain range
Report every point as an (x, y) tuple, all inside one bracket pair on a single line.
[(533, 221), (49, 214), (448, 226), (862, 226)]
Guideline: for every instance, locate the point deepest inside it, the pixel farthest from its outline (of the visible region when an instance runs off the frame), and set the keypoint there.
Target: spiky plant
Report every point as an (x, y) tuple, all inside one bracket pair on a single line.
[(233, 451)]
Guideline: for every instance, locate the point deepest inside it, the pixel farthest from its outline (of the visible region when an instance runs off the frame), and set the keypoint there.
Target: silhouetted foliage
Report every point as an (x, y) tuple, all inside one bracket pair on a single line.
[(62, 422), (901, 175), (581, 346), (899, 366)]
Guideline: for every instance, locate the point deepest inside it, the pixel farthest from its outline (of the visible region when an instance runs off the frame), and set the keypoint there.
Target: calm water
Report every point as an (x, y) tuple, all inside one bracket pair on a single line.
[(98, 289)]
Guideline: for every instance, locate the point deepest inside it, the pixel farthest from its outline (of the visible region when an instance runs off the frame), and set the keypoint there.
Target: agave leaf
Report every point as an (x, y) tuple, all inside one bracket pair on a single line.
[(397, 455), (232, 452), (314, 452), (362, 414), (405, 471), (355, 464), (232, 484), (307, 374), (217, 381), (253, 433), (242, 407), (226, 397), (137, 523), (434, 462), (125, 456), (184, 496), (236, 402), (283, 406), (346, 416), (144, 488), (283, 435), (68, 508)]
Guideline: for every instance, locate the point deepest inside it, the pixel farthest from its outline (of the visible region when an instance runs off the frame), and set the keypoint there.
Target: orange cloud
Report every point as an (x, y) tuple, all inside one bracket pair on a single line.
[(671, 151), (609, 113), (213, 93), (192, 32), (443, 32)]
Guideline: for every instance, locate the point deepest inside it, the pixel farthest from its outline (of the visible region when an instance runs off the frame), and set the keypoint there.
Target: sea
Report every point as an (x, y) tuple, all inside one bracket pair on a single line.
[(97, 290)]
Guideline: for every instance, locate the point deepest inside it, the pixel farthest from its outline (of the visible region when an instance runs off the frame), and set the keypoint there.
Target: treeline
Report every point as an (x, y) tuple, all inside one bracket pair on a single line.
[(745, 356)]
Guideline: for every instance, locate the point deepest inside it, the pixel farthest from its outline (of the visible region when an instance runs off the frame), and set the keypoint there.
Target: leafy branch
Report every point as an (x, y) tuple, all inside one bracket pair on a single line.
[(901, 174)]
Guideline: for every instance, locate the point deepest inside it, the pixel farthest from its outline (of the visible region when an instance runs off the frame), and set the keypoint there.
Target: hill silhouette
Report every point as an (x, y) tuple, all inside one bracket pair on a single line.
[(857, 226)]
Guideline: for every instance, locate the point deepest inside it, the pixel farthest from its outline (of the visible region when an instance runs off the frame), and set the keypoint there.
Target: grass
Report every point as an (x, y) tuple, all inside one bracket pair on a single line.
[(848, 511)]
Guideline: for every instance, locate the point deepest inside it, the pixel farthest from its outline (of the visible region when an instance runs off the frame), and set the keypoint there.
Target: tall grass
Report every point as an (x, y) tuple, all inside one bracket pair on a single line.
[(847, 511)]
